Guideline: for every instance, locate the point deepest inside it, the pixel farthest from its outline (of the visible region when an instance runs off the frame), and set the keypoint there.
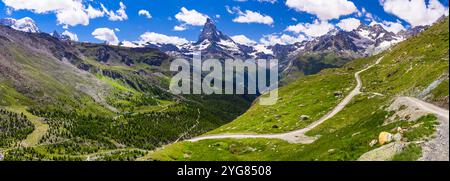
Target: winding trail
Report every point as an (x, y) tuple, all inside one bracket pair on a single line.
[(436, 149), (298, 136)]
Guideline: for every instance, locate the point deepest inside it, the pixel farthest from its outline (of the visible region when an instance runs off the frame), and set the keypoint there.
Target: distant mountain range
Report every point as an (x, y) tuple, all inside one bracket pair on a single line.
[(213, 43), (361, 42)]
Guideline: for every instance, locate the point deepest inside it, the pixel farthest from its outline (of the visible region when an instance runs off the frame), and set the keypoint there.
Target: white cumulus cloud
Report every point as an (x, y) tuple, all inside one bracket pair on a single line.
[(253, 17), (191, 17), (318, 28), (394, 27), (145, 13), (107, 35), (42, 6), (243, 40), (415, 12), (94, 13), (72, 17), (179, 28), (323, 9), (349, 24), (156, 38), (283, 39), (118, 15), (68, 12)]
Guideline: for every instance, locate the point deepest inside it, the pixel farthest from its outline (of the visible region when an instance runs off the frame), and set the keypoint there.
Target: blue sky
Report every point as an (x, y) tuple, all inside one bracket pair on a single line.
[(163, 18)]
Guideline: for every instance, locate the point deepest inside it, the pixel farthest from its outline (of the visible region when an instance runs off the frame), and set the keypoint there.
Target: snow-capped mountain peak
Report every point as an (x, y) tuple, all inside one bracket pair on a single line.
[(362, 41), (61, 37), (211, 33), (25, 24)]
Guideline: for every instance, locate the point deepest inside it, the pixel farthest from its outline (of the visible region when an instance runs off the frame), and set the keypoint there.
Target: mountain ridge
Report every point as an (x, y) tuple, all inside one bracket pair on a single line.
[(375, 34), (408, 69)]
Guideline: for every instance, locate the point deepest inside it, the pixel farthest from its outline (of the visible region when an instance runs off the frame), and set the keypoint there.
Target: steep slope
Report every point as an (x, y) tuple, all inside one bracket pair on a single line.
[(408, 69), (96, 98)]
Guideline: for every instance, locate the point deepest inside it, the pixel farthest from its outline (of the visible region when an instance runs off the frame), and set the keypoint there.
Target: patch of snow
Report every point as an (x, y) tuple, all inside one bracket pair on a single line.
[(263, 49), (130, 44), (228, 44), (365, 34), (386, 44), (204, 45), (25, 24)]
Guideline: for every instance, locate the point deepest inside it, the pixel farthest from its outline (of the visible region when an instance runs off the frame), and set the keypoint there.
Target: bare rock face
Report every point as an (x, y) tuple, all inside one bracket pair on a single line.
[(384, 153)]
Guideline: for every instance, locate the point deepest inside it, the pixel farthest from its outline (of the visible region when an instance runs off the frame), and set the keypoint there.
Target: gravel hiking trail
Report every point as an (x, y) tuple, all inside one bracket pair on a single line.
[(298, 136)]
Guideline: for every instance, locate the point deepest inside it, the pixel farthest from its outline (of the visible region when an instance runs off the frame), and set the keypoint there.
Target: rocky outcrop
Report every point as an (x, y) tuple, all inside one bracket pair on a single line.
[(102, 55), (112, 74), (384, 153), (61, 37)]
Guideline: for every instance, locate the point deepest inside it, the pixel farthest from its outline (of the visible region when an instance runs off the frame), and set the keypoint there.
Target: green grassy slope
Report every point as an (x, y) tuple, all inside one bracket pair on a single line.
[(406, 69), (312, 63), (96, 98)]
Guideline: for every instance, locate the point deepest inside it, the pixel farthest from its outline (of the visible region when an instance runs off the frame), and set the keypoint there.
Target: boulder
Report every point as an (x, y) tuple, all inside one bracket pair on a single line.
[(383, 153), (397, 137), (338, 94), (384, 138), (304, 117)]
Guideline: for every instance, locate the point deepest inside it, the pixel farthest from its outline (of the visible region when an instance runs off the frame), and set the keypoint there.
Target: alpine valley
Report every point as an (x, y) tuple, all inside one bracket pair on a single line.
[(61, 99)]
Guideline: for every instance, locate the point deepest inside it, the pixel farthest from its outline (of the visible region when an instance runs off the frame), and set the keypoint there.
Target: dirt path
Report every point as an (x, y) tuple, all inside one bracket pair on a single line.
[(298, 136), (437, 149), (94, 156)]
